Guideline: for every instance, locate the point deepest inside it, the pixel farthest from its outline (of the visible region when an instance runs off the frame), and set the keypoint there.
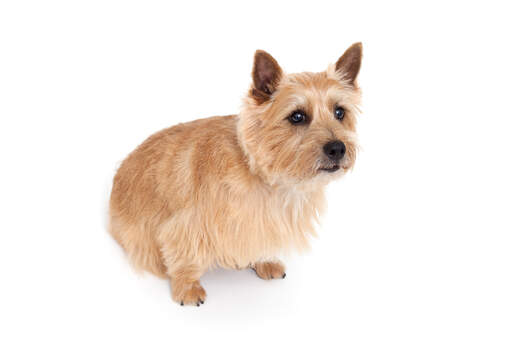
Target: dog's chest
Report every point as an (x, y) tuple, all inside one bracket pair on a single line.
[(264, 224)]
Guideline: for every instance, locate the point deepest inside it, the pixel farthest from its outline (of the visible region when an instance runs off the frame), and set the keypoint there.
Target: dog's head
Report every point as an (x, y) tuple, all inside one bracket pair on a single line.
[(299, 127)]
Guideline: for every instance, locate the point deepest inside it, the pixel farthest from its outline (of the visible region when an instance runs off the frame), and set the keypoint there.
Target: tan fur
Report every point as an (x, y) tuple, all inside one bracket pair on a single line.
[(269, 270), (234, 191)]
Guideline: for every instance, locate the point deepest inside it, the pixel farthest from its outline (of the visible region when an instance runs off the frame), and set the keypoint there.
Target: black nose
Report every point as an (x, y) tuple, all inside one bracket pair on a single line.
[(335, 150)]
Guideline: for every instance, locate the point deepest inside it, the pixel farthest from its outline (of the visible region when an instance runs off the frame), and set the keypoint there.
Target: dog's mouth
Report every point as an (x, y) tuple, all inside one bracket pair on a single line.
[(330, 169)]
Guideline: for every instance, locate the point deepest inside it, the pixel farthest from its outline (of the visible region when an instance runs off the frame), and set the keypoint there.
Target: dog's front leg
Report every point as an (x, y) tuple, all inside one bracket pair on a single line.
[(185, 285), (269, 270)]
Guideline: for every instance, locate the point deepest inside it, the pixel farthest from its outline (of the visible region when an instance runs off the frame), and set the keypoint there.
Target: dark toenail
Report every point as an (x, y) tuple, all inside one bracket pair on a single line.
[(181, 302), (198, 304), (284, 275), (202, 302)]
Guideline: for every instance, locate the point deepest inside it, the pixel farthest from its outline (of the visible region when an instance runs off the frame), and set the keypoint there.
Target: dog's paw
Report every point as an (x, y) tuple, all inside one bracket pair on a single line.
[(193, 294), (269, 270)]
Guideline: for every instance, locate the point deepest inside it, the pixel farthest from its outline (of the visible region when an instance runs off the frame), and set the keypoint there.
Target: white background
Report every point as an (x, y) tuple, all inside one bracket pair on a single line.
[(416, 244)]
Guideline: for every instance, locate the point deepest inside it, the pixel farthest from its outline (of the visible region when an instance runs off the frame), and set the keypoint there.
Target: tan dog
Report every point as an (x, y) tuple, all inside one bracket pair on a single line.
[(238, 191)]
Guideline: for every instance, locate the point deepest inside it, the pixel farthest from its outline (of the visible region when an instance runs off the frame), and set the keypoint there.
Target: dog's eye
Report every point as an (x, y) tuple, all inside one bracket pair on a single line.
[(339, 112), (297, 117)]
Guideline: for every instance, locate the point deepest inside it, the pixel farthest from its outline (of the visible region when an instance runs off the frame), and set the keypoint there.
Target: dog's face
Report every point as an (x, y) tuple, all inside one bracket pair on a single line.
[(300, 127)]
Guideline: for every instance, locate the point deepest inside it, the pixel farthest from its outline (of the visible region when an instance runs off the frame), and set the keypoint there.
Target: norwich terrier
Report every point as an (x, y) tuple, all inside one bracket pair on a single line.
[(239, 191)]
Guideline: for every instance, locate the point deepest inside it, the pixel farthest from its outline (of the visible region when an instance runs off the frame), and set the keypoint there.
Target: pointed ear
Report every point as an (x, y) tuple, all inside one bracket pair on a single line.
[(349, 64), (266, 74)]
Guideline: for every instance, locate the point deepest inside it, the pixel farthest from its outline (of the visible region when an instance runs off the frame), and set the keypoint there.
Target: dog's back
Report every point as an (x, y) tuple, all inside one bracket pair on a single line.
[(173, 161)]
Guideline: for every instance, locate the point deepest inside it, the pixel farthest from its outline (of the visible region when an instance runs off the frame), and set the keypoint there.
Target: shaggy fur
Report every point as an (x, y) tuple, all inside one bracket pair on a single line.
[(237, 191)]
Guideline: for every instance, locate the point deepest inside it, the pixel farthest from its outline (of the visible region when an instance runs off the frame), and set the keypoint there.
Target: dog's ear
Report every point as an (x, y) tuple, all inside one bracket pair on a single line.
[(266, 74), (349, 64)]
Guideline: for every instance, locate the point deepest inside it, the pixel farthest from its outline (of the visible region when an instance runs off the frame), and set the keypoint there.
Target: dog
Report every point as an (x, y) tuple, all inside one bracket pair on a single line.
[(239, 191)]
